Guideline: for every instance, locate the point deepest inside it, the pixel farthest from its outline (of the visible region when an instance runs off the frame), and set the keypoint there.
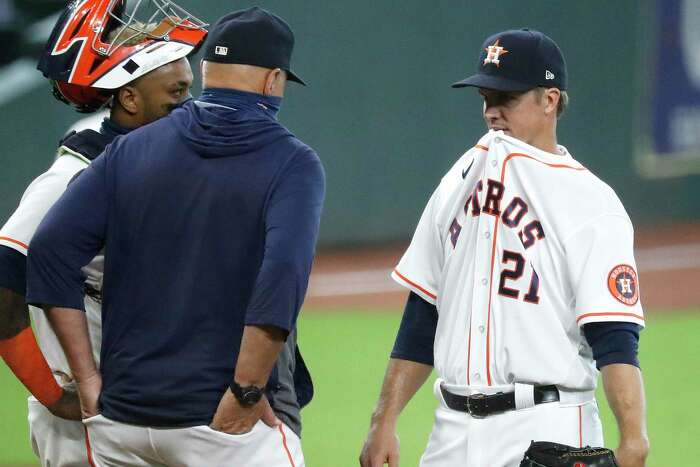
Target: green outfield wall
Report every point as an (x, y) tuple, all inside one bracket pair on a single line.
[(380, 112)]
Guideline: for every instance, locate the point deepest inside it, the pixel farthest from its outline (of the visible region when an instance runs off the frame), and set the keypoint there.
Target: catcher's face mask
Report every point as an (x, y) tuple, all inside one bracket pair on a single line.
[(100, 45)]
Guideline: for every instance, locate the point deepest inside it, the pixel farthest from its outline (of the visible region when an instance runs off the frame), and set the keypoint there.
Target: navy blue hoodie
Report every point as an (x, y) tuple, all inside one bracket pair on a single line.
[(209, 219)]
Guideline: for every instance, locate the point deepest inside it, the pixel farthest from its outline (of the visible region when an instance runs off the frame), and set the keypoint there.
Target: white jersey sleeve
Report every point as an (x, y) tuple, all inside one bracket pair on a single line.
[(38, 198), (603, 272), (421, 265)]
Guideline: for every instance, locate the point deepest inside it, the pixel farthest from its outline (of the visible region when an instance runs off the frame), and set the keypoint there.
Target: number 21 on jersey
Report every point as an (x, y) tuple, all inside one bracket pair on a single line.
[(513, 268)]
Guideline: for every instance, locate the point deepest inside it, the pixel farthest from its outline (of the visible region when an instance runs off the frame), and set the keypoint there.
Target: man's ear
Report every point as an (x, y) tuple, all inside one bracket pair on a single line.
[(128, 99), (552, 96), (274, 83)]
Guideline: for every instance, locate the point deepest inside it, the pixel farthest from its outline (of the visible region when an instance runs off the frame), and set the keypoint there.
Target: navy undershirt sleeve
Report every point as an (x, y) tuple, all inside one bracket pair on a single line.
[(291, 228), (68, 238), (13, 270), (416, 335), (613, 342)]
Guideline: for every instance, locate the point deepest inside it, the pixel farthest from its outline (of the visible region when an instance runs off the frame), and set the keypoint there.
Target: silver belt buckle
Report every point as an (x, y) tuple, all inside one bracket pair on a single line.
[(475, 397)]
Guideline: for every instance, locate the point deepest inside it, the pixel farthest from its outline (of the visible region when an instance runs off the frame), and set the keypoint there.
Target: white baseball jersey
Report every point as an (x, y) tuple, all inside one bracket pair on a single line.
[(57, 442), (518, 248), (18, 231)]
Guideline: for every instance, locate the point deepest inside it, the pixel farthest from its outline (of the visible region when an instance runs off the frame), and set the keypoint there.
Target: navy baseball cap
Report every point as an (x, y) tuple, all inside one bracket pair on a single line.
[(518, 60), (252, 37)]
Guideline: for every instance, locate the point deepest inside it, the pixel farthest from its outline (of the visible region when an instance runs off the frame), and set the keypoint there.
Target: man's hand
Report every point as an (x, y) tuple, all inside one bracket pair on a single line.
[(68, 406), (89, 391), (632, 453), (403, 378), (381, 447), (234, 419)]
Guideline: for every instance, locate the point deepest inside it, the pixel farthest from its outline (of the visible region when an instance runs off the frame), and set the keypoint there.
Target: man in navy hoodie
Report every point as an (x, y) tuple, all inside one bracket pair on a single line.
[(209, 219)]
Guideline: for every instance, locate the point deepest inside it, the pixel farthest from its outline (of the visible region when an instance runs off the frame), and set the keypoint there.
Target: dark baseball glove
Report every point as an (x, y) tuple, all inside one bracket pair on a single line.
[(546, 454)]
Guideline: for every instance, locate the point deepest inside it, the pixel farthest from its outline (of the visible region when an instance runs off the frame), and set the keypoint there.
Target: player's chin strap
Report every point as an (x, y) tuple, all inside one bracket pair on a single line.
[(524, 396)]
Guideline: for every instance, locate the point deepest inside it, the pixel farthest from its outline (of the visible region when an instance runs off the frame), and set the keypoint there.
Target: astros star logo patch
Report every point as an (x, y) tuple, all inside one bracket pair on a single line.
[(494, 52), (623, 284)]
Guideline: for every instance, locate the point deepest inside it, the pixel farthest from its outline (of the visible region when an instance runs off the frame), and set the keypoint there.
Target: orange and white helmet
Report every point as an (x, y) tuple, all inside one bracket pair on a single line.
[(101, 45)]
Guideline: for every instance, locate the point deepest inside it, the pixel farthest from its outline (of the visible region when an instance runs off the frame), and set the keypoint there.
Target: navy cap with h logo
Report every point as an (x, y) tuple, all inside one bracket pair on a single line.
[(518, 60)]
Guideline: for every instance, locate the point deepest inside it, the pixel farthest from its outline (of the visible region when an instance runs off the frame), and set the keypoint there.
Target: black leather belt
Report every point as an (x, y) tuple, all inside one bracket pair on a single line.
[(483, 405)]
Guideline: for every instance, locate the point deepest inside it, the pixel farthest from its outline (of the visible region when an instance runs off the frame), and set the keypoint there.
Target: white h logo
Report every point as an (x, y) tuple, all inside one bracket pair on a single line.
[(625, 285), (493, 53)]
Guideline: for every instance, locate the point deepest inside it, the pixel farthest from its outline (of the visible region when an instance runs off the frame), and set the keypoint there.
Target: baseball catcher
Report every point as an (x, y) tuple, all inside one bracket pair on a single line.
[(100, 54)]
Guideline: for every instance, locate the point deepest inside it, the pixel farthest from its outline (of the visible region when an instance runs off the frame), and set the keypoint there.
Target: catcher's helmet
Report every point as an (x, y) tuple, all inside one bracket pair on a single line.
[(97, 46)]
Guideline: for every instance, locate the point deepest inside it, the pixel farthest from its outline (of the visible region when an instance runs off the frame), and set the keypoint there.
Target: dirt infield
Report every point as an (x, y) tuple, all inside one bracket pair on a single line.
[(668, 259)]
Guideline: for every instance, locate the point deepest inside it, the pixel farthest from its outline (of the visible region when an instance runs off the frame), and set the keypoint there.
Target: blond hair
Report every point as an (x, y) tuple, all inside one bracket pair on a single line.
[(563, 103)]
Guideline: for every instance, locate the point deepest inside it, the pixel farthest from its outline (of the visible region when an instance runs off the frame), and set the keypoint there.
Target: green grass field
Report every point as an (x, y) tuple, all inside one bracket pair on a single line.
[(347, 352)]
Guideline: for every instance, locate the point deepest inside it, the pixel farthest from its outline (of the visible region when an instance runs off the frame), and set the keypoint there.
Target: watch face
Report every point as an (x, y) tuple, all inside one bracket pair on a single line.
[(251, 396)]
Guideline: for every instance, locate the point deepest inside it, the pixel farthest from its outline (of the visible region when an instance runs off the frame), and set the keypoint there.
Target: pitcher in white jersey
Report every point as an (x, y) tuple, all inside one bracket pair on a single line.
[(523, 286), (159, 82)]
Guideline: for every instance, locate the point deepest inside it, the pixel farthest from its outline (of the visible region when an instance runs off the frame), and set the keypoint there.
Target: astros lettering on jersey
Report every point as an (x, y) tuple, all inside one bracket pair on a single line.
[(525, 244)]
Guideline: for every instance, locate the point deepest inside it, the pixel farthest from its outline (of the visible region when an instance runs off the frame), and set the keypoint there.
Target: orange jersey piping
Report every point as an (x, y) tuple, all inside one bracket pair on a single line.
[(632, 315), (16, 242), (410, 282), (580, 426)]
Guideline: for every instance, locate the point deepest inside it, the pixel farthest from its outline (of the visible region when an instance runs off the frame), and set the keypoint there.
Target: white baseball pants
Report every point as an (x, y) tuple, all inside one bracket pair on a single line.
[(55, 441), (500, 440), (113, 444)]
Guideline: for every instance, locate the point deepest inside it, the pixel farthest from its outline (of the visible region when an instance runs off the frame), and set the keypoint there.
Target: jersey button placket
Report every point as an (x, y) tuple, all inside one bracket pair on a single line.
[(482, 284), (491, 224), (480, 308)]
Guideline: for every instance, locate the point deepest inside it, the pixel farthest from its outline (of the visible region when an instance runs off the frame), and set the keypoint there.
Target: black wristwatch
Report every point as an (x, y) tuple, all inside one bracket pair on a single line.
[(247, 396)]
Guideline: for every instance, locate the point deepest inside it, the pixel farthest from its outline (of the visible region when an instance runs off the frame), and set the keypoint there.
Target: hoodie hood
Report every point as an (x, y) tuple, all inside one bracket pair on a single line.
[(229, 123)]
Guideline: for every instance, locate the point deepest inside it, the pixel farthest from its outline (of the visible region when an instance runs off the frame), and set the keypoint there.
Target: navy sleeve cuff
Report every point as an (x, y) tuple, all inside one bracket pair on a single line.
[(262, 321), (630, 358), (613, 342), (13, 270), (416, 335)]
